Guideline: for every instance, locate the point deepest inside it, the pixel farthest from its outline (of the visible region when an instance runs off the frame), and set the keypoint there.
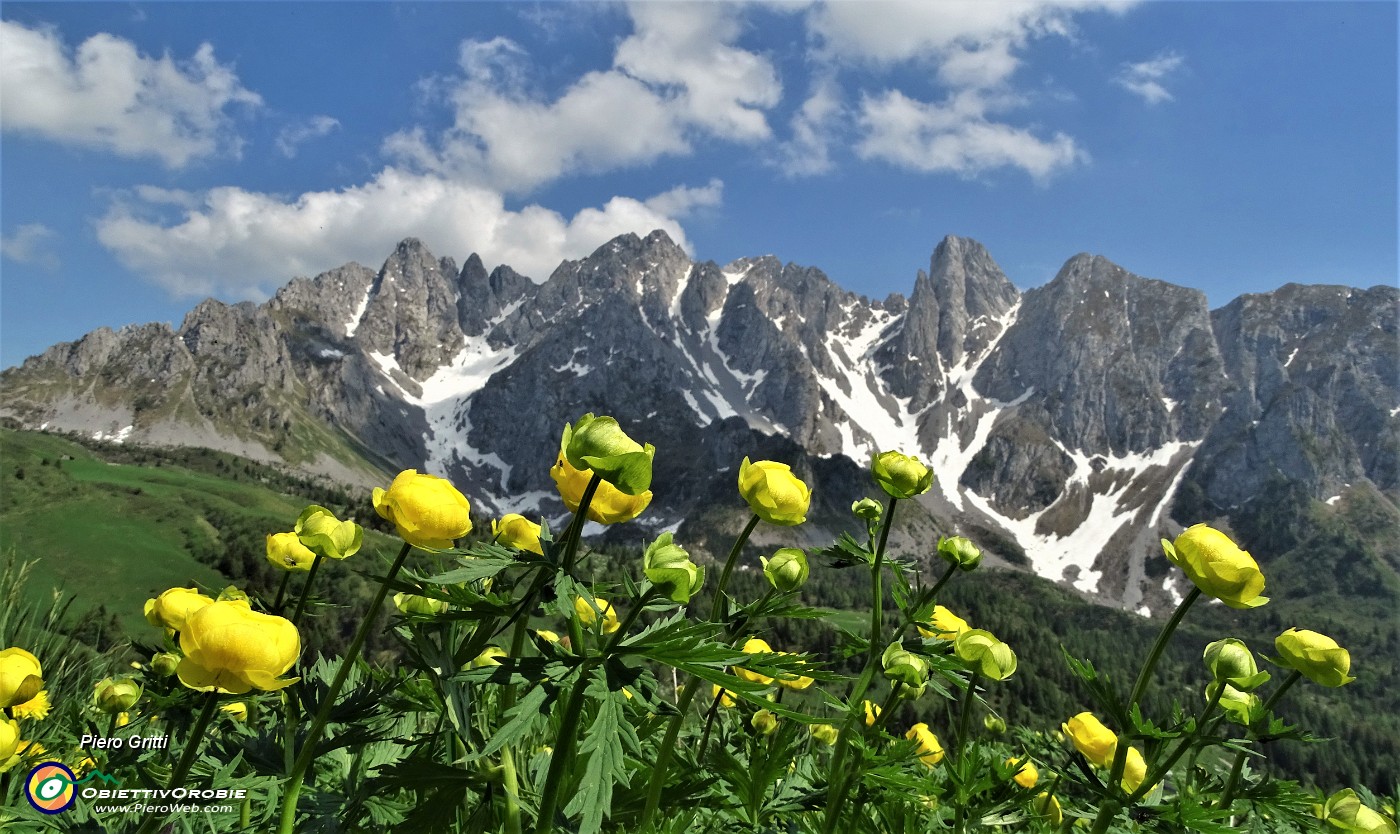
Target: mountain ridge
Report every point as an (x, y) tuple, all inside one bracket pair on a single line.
[(1063, 422)]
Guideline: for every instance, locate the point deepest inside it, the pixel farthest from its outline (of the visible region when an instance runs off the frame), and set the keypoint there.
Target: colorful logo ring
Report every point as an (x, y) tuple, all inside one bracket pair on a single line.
[(50, 787)]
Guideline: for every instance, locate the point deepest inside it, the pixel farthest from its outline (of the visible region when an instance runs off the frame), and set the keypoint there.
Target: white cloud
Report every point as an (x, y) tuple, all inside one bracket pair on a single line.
[(294, 135), (28, 245), (1145, 78), (108, 96), (955, 138), (243, 244), (814, 129), (678, 76)]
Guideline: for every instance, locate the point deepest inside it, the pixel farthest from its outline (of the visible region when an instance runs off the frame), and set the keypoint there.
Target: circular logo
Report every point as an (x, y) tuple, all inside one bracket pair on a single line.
[(50, 787)]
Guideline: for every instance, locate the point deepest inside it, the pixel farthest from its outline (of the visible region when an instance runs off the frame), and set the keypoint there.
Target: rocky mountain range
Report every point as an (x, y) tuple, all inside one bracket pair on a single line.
[(1070, 426)]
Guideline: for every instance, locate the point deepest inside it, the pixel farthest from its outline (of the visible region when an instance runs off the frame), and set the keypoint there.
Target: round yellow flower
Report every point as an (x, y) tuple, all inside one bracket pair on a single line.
[(285, 551), (944, 625), (825, 733), (1217, 566), (517, 531), (1317, 656), (901, 475), (9, 744), (1091, 738), (930, 751), (21, 677), (1047, 807), (610, 505), (233, 649), (1026, 775), (173, 607), (427, 511), (1134, 770), (238, 710), (774, 494), (588, 616), (35, 709), (872, 712), (726, 698), (765, 722), (754, 646)]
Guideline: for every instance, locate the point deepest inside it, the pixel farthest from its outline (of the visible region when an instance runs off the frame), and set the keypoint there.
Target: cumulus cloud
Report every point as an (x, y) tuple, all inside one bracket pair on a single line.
[(1145, 78), (108, 96), (814, 130), (29, 245), (239, 243), (676, 77), (292, 136)]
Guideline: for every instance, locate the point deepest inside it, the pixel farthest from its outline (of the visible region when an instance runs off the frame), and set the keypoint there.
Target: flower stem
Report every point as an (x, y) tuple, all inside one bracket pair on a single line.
[(281, 593), (1232, 783), (673, 730), (306, 588), (964, 714), (1159, 771), (177, 776), (292, 790)]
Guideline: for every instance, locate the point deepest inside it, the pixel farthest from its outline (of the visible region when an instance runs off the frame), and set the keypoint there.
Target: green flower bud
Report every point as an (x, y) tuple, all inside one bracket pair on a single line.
[(600, 444), (986, 654), (319, 529), (415, 604), (868, 509), (1344, 811), (669, 568), (232, 593), (765, 722), (490, 656), (825, 733), (114, 695), (995, 724), (1047, 807), (787, 570), (904, 666), (959, 551), (1230, 660), (901, 475), (1317, 656), (1237, 704), (164, 663)]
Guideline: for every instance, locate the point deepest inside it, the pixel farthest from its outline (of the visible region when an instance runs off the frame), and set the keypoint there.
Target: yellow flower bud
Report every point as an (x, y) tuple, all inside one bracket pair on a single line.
[(1230, 660), (960, 551), (164, 663), (1344, 811), (421, 605), (904, 666), (1317, 656), (547, 635), (9, 744), (1217, 566), (872, 712), (1047, 807), (726, 698), (1134, 770), (1236, 704), (113, 695), (21, 677), (285, 551), (599, 444), (796, 683), (327, 535), (787, 570), (1091, 738), (172, 608), (868, 509), (669, 568), (765, 722), (231, 648), (1026, 775), (238, 710), (588, 616), (610, 505), (982, 651), (427, 511), (901, 475), (825, 733), (773, 493), (944, 625), (517, 531), (930, 751), (754, 646), (490, 656)]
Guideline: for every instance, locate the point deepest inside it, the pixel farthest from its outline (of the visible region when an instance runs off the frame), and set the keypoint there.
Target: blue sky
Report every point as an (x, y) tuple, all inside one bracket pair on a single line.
[(154, 154)]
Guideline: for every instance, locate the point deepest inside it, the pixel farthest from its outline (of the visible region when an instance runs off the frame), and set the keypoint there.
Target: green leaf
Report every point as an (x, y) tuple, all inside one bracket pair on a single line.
[(530, 712), (605, 745)]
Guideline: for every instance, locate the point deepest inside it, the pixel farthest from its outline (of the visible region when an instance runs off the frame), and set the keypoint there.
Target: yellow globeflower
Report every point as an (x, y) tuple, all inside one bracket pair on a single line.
[(173, 607), (1026, 775), (421, 605), (1134, 770), (1091, 738), (9, 744), (765, 722), (754, 646), (825, 733), (517, 531), (285, 551), (944, 625), (233, 649), (238, 710), (427, 511), (600, 445), (21, 677), (319, 529), (114, 695), (1217, 566), (795, 682), (588, 616), (35, 709), (1317, 656), (774, 494), (872, 712), (726, 698), (1048, 808), (930, 751), (901, 475), (610, 505)]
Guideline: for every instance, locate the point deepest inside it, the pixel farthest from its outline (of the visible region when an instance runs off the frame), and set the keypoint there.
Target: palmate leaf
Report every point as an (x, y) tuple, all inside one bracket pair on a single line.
[(529, 713), (605, 746), (848, 553)]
